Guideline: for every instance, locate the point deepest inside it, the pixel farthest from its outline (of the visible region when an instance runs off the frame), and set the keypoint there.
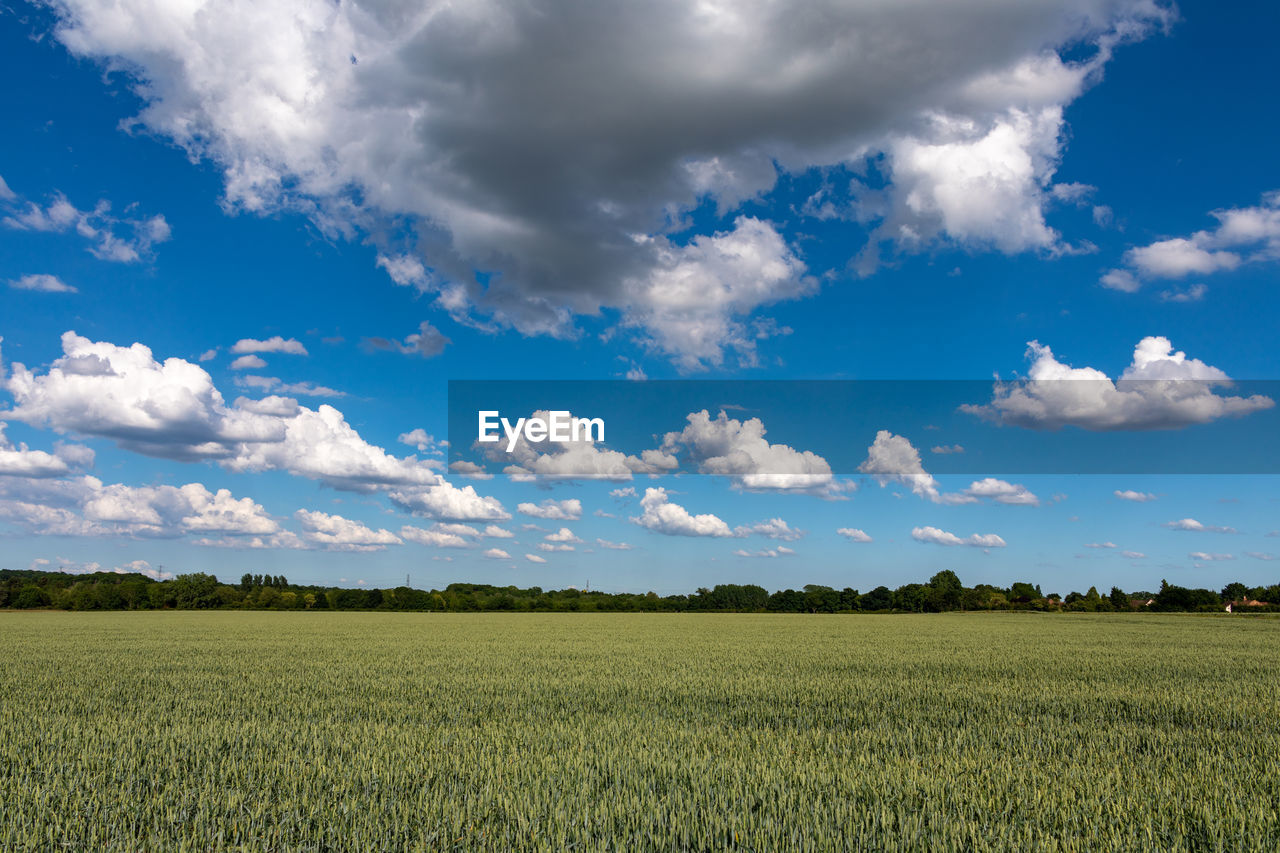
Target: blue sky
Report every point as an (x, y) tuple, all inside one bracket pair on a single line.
[(708, 193)]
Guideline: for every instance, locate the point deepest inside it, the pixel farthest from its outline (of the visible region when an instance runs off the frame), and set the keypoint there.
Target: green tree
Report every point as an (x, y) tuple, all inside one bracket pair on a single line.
[(196, 590)]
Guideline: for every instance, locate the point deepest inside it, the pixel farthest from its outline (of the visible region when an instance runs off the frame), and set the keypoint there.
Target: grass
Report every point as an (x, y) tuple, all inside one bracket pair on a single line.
[(370, 731)]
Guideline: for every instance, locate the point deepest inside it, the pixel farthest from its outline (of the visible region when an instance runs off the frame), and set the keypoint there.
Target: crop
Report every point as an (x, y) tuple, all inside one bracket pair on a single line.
[(379, 731)]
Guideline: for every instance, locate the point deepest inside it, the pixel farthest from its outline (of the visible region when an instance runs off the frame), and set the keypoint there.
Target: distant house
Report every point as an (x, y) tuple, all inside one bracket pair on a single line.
[(1245, 602)]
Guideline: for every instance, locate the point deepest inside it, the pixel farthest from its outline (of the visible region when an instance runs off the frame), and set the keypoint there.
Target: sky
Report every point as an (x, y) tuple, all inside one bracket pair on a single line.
[(862, 291)]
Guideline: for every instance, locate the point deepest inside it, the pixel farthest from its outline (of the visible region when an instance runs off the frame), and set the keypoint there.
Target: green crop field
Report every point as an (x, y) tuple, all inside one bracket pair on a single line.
[(373, 731)]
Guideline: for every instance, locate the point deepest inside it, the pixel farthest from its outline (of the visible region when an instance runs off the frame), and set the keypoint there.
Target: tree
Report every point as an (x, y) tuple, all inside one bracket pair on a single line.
[(194, 591), (31, 596), (945, 591), (1024, 593), (1119, 600), (1234, 591), (246, 582)]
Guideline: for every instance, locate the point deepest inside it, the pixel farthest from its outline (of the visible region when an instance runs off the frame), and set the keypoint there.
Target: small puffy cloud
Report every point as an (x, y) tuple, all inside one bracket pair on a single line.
[(547, 546), (660, 515), (1191, 525), (727, 447), (624, 492), (1133, 555), (427, 342), (942, 537), (1100, 545), (493, 531), (1204, 557), (20, 461), (496, 554), (273, 344), (853, 534), (774, 528), (1261, 555), (278, 386), (248, 362), (337, 533), (1002, 492), (1194, 293), (894, 459), (945, 449), (1135, 496), (436, 537), (614, 546), (780, 551), (564, 534), (447, 501), (111, 238), (208, 355), (470, 470), (1160, 389), (553, 510), (534, 558), (1243, 235), (422, 440), (41, 282)]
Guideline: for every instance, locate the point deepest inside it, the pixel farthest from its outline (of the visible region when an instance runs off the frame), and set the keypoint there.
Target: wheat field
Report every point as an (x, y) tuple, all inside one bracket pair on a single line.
[(379, 731)]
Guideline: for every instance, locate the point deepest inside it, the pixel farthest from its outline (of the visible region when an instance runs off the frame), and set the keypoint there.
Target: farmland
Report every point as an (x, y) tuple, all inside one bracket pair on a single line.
[(364, 731)]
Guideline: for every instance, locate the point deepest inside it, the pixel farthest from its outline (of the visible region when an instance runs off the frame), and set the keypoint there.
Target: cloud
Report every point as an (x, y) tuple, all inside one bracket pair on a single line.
[(1100, 545), (780, 551), (564, 534), (85, 506), (42, 282), (1133, 555), (1261, 555), (614, 546), (774, 528), (342, 534), (1002, 492), (1202, 557), (625, 492), (273, 344), (496, 554), (945, 449), (534, 558), (894, 459), (1190, 524), (20, 461), (553, 510), (447, 501), (111, 238), (436, 537), (737, 449), (493, 531), (1160, 389), (423, 441), (278, 386), (1194, 293), (942, 537), (354, 116), (1136, 497), (853, 534), (660, 515), (172, 410), (248, 362), (1243, 235), (427, 342), (547, 546)]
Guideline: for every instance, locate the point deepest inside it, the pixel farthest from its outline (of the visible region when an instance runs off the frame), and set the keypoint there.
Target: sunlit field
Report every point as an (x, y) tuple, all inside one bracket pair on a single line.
[(373, 731)]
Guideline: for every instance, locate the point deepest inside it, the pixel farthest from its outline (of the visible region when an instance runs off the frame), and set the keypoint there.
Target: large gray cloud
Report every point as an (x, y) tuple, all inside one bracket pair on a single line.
[(556, 145)]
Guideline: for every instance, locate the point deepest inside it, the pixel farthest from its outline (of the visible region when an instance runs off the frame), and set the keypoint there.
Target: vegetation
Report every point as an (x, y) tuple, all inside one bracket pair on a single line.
[(385, 731), (944, 592)]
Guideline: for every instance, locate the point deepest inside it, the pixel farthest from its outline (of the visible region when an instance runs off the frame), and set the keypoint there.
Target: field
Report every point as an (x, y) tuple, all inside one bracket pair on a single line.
[(351, 731)]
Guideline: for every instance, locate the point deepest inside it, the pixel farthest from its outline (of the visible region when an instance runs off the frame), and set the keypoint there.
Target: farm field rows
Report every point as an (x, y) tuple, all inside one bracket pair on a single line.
[(381, 731)]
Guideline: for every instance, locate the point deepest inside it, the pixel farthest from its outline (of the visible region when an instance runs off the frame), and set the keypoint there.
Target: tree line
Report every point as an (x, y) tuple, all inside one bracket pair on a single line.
[(27, 589)]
